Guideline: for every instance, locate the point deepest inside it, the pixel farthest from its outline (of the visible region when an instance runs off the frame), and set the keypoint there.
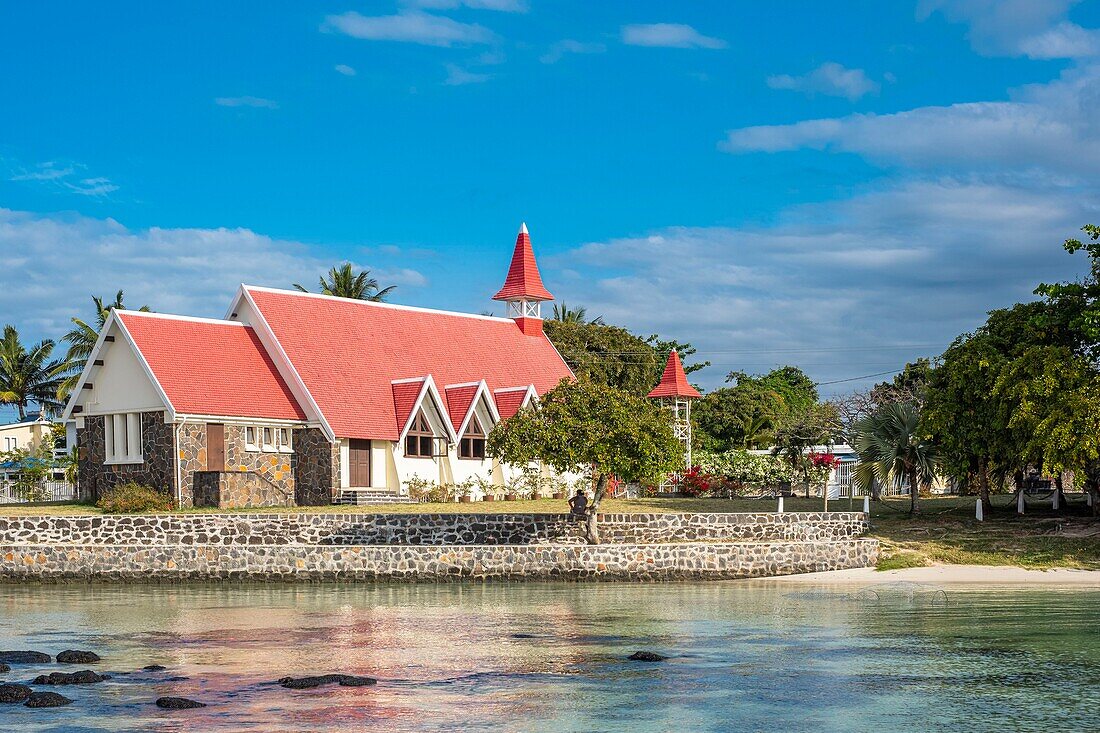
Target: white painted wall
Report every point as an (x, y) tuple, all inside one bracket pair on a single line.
[(121, 384)]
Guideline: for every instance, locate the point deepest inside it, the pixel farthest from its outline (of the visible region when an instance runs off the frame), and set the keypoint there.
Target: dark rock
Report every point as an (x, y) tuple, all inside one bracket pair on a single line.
[(4, 667), (154, 668), (25, 657), (46, 700), (647, 657), (12, 692), (178, 703), (308, 683), (83, 677), (71, 656)]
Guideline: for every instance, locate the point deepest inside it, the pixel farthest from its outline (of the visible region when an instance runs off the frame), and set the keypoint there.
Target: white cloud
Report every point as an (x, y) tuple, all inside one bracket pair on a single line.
[(409, 27), (1035, 28), (834, 287), (506, 6), (830, 79), (51, 264), (345, 70), (65, 177), (457, 76), (1049, 127), (567, 46), (668, 35), (246, 101), (48, 171)]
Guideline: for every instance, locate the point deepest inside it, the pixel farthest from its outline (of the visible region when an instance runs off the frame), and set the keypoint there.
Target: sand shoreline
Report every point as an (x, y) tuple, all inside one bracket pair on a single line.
[(941, 574)]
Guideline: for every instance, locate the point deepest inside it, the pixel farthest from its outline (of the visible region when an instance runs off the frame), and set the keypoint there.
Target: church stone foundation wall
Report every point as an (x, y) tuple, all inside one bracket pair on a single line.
[(157, 470)]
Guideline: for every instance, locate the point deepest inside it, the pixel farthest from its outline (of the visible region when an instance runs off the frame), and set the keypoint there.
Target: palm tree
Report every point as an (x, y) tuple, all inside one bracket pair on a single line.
[(81, 339), (565, 314), (893, 449), (343, 282), (29, 375)]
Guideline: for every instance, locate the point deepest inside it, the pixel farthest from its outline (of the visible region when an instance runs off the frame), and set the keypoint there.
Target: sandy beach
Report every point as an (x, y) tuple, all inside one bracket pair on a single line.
[(941, 574)]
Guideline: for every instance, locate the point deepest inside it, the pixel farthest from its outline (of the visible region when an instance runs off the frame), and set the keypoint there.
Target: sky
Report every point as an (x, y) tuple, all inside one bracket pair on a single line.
[(841, 186)]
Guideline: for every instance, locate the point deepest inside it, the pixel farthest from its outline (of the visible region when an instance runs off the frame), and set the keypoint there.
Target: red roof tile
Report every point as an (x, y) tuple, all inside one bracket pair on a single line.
[(459, 400), (674, 382), (211, 368), (509, 401), (348, 352), (404, 399), (523, 279)]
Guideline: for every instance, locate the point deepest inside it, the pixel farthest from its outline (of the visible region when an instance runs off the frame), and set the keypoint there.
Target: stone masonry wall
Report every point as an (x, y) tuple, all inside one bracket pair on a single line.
[(425, 529), (238, 490), (713, 561), (277, 469), (317, 468), (157, 470)]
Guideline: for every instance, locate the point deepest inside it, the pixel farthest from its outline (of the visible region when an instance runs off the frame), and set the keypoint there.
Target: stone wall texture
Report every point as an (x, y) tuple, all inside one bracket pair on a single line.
[(238, 490), (425, 529), (317, 468), (687, 561), (275, 471), (157, 470)]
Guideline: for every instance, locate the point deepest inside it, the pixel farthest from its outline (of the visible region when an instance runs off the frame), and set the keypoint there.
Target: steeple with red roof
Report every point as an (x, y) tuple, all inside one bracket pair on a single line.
[(523, 290), (674, 382)]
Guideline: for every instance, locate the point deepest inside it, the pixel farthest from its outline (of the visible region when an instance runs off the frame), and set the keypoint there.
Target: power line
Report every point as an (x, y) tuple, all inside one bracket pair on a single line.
[(865, 376)]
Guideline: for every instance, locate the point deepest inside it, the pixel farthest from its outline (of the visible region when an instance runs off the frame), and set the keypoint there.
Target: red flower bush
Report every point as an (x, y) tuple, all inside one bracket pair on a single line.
[(824, 460), (694, 482)]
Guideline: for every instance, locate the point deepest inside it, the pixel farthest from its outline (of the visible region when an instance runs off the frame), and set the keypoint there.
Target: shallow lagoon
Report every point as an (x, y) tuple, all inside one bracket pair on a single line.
[(748, 656)]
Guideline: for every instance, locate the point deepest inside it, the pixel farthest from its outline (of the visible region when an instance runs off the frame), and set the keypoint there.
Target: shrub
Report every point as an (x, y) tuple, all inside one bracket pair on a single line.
[(425, 491), (694, 482), (134, 497)]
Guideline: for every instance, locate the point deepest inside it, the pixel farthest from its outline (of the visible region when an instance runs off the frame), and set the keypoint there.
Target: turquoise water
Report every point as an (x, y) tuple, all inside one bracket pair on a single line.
[(747, 656)]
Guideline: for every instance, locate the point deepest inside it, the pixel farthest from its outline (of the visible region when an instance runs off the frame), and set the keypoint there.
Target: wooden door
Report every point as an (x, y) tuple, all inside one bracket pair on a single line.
[(215, 447), (359, 463)]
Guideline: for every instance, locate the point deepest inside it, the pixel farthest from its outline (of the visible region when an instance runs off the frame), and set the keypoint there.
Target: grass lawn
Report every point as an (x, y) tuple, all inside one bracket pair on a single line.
[(944, 532)]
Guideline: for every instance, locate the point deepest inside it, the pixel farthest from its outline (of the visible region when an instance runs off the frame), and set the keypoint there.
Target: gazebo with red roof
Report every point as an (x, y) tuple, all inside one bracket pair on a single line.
[(523, 290), (676, 394)]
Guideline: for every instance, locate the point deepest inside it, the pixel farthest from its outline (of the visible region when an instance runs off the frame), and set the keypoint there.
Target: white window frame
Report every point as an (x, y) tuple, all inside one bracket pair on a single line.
[(284, 440), (267, 439), (250, 443), (122, 438)]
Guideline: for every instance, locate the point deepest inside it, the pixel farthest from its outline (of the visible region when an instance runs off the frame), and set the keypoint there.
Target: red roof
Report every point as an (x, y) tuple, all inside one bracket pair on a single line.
[(674, 382), (348, 353), (211, 368), (509, 401), (459, 400), (523, 279), (404, 399)]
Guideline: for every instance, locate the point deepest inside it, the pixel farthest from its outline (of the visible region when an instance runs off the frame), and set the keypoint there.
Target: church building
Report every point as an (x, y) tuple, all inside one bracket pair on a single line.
[(302, 399)]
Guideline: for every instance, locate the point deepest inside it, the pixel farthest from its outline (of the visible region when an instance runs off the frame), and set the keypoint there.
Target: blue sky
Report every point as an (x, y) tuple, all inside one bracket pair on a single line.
[(840, 186)]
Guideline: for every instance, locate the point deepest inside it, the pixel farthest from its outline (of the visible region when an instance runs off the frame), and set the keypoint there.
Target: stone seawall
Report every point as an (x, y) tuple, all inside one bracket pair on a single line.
[(687, 561), (425, 529)]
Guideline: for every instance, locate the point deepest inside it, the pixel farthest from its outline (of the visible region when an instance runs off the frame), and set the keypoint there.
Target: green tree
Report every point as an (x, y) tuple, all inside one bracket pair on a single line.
[(1075, 306), (344, 282), (746, 414), (893, 447), (613, 356), (797, 432), (82, 337), (585, 426), (565, 314), (29, 374)]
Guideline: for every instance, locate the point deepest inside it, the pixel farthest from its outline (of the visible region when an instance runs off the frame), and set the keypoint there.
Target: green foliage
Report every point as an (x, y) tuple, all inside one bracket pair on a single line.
[(613, 356), (133, 497), (344, 282), (82, 337), (817, 423), (565, 314), (29, 374), (34, 469), (893, 447), (746, 414), (1075, 306), (752, 470)]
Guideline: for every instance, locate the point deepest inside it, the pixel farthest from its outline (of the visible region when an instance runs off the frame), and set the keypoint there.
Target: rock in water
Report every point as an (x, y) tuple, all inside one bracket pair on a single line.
[(25, 657), (647, 657), (4, 667), (46, 700), (178, 703), (83, 677), (12, 692), (308, 683), (154, 668), (71, 656)]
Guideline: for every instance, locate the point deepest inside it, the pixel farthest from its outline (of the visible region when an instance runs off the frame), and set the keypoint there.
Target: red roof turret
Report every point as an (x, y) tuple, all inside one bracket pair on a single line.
[(523, 281), (674, 382)]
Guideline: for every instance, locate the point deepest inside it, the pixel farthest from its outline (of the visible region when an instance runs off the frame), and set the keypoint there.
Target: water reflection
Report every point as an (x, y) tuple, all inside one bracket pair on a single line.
[(548, 657)]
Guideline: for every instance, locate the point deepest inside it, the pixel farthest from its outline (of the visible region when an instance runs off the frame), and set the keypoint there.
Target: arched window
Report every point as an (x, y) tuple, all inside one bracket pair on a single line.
[(418, 441), (472, 445)]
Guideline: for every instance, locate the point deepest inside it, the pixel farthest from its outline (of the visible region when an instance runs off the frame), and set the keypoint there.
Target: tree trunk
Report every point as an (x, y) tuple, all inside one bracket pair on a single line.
[(591, 528), (914, 493), (22, 411), (876, 490), (983, 485)]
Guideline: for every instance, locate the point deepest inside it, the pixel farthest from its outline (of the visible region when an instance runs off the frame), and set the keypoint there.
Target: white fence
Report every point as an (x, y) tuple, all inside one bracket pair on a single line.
[(50, 491)]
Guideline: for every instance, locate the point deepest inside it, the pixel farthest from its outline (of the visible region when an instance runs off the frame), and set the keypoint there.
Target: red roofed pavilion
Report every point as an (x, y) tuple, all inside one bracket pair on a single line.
[(674, 381)]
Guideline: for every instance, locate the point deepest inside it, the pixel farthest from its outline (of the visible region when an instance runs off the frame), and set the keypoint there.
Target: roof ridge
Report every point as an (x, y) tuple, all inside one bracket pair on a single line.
[(377, 304), (173, 317)]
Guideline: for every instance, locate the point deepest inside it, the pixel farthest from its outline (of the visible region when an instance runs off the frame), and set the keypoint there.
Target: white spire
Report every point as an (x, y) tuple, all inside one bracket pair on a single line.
[(523, 228)]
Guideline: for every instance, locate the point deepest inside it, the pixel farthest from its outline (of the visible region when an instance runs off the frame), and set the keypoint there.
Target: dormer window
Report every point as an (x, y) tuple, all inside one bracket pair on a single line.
[(420, 441), (472, 444)]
